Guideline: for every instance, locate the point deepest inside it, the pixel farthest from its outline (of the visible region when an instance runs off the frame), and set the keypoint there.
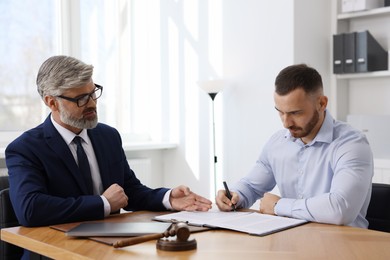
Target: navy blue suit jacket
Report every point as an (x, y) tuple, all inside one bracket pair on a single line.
[(46, 187)]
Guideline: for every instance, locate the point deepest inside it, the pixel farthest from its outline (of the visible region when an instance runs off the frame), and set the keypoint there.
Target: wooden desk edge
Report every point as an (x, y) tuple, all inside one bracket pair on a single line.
[(36, 246)]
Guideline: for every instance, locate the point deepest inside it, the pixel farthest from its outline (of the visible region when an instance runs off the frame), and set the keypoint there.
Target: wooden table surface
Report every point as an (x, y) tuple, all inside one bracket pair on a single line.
[(309, 241)]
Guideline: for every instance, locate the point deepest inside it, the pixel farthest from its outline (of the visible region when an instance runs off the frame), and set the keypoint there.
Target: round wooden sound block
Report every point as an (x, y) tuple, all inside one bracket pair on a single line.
[(175, 245)]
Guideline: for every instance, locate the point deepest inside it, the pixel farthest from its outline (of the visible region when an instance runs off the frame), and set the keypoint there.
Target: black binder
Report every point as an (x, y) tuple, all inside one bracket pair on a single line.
[(370, 55), (338, 42), (349, 52)]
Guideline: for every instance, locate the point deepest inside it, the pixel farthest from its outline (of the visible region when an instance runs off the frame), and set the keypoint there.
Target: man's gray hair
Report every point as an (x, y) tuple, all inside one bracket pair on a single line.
[(59, 73)]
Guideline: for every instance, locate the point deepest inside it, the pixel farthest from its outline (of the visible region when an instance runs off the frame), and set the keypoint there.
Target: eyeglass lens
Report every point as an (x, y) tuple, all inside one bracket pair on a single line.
[(82, 101)]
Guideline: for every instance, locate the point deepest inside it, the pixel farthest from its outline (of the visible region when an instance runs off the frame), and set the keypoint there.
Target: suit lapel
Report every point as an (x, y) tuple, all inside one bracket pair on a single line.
[(57, 144)]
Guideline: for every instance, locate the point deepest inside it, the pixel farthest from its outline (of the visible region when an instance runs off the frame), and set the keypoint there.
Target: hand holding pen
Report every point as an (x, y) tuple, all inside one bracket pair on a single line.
[(229, 195)]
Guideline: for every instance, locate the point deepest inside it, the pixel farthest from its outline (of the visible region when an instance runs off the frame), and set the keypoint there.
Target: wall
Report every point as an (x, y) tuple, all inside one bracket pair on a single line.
[(259, 39), (258, 43)]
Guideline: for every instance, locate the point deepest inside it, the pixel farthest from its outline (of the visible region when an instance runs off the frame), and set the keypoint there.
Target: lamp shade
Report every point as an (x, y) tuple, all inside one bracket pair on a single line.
[(212, 87)]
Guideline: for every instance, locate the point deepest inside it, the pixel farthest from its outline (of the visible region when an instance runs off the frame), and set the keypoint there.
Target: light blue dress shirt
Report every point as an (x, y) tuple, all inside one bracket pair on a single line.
[(328, 180)]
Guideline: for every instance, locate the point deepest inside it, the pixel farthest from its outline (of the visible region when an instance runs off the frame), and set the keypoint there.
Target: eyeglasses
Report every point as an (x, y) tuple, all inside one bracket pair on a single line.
[(84, 99)]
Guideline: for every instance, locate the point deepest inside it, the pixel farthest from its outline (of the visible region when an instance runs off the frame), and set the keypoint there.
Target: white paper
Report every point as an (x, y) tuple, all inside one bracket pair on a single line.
[(249, 222)]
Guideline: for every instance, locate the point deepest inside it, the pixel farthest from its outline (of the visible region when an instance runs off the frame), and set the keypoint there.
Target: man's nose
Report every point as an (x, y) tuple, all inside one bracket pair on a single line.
[(286, 120)]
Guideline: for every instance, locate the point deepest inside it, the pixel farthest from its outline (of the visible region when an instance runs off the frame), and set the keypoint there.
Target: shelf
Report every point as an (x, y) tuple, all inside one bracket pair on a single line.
[(367, 13), (362, 75), (347, 90)]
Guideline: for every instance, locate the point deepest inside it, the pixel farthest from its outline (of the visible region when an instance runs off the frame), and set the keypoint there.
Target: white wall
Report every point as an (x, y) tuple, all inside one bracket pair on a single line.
[(312, 37), (259, 39), (258, 43)]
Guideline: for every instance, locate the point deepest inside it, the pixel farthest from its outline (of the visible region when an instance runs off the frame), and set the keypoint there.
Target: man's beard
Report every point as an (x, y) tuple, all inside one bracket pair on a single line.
[(306, 130), (82, 123)]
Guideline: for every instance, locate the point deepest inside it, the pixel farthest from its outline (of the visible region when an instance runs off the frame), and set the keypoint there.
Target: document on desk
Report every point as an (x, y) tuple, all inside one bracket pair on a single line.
[(253, 223)]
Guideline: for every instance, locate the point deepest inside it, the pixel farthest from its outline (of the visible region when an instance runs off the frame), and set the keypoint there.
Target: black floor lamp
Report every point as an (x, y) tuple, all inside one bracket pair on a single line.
[(213, 87)]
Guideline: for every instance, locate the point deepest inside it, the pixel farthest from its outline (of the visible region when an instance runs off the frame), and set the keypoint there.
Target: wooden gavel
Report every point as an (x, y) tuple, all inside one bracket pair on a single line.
[(180, 230)]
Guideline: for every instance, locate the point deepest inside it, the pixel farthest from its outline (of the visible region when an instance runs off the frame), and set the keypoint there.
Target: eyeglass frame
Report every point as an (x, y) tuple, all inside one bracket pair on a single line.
[(90, 95)]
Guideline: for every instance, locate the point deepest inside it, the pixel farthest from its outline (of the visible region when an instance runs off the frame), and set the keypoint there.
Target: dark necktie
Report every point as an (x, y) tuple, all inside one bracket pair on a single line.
[(83, 164)]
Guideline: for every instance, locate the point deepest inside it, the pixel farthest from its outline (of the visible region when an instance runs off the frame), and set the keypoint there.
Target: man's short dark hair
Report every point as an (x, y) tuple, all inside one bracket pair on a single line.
[(298, 76)]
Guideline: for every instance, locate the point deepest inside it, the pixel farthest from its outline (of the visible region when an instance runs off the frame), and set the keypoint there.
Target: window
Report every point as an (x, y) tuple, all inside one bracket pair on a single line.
[(26, 42), (123, 45), (98, 32), (104, 41)]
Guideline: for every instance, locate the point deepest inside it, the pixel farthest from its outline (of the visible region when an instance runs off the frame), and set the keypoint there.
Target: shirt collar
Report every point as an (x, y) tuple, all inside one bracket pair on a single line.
[(67, 135), (325, 134)]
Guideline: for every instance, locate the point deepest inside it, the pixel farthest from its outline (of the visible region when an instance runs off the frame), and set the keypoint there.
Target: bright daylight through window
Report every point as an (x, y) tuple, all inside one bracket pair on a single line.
[(100, 33), (26, 42)]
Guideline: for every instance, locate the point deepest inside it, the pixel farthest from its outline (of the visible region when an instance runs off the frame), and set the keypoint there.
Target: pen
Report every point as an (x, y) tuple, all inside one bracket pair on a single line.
[(228, 194)]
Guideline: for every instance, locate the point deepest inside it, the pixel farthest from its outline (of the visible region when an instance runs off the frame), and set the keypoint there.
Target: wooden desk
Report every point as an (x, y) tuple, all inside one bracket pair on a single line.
[(309, 241)]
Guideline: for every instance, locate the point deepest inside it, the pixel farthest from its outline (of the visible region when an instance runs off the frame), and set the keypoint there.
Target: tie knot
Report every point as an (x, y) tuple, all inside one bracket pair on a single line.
[(77, 139)]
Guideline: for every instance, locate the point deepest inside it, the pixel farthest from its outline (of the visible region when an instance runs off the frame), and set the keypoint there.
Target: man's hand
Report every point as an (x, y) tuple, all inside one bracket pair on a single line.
[(116, 197), (181, 198), (223, 202), (268, 202)]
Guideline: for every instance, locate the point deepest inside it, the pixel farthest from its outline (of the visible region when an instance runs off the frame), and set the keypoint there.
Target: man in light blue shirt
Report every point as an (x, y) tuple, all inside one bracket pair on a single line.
[(322, 167)]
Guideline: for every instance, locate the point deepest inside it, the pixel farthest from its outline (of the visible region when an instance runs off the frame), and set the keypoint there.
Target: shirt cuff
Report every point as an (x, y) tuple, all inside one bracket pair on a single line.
[(166, 202), (107, 207), (284, 207)]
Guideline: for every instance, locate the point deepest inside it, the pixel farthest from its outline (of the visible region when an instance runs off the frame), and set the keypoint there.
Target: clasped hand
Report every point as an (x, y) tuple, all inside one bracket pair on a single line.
[(268, 202), (116, 196)]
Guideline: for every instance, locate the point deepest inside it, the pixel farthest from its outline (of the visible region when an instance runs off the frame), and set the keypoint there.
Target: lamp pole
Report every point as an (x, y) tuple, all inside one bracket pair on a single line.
[(212, 88), (213, 95)]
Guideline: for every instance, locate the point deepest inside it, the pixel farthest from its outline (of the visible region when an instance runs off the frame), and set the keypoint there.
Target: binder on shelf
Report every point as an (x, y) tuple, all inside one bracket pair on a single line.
[(349, 52), (370, 55), (358, 52), (338, 42)]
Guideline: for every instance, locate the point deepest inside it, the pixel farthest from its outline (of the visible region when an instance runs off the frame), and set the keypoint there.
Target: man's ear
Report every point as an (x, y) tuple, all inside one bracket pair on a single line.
[(51, 102), (322, 103)]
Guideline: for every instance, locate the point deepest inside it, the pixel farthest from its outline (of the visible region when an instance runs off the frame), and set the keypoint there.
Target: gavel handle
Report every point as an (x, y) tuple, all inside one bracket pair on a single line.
[(137, 240)]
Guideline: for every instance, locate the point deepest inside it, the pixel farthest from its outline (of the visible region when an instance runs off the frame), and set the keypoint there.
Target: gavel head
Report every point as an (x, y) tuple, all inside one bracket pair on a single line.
[(182, 231)]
